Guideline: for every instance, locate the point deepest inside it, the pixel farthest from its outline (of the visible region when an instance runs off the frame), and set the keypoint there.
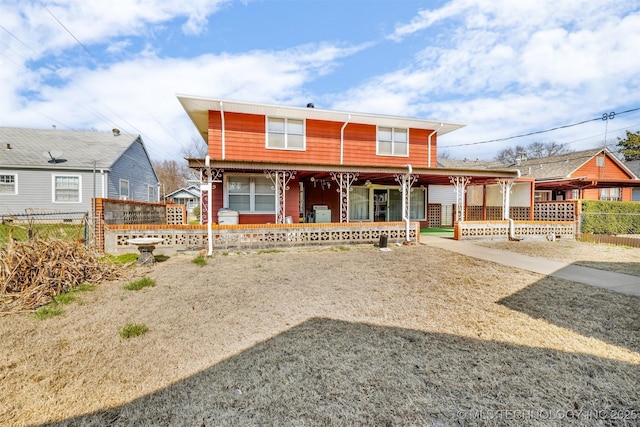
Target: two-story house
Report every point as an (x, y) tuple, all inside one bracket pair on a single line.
[(278, 164)]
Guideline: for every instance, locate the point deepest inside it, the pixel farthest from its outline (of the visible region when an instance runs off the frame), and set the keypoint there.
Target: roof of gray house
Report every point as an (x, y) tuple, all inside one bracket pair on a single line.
[(61, 149), (634, 166)]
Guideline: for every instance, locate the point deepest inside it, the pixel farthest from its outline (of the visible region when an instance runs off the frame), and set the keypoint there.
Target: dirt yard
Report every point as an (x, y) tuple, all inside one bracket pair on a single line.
[(335, 336)]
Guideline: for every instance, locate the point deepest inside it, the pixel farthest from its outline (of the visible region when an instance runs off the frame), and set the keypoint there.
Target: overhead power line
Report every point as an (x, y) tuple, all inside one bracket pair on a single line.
[(606, 116)]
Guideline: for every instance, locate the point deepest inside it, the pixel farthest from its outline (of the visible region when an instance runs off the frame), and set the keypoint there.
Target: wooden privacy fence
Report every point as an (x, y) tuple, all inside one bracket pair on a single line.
[(632, 241)]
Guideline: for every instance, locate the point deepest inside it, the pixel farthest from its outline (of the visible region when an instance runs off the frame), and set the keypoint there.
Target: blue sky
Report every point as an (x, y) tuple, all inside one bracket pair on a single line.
[(503, 68)]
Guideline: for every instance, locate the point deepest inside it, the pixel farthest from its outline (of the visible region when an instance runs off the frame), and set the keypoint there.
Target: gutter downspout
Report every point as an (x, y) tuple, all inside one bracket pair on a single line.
[(342, 139), (223, 135), (506, 210), (429, 144), (405, 207), (207, 162)]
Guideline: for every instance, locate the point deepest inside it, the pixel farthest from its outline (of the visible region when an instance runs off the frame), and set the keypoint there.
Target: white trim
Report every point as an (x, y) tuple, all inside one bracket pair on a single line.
[(53, 188), (123, 196), (252, 193), (286, 134), (393, 141), (15, 184)]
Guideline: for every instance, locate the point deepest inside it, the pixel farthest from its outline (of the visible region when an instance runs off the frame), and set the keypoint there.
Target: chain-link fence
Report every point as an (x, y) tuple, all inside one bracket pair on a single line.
[(70, 226)]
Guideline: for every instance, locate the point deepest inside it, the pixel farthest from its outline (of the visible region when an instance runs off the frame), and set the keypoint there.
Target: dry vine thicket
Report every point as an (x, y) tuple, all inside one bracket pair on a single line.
[(34, 271)]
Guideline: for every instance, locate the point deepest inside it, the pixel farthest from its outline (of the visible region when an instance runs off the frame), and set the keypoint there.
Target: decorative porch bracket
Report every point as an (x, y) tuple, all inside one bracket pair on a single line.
[(344, 181), (460, 183), (505, 187), (406, 181), (207, 178), (280, 180)]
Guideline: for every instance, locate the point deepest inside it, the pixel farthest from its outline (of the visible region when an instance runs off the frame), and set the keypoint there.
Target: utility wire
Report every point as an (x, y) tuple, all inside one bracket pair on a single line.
[(606, 116)]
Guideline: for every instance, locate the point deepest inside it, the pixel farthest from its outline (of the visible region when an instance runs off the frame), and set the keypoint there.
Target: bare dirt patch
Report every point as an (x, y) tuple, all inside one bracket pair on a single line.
[(338, 336)]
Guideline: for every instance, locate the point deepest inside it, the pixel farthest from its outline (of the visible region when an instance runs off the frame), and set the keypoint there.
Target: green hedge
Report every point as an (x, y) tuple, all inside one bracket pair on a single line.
[(603, 217)]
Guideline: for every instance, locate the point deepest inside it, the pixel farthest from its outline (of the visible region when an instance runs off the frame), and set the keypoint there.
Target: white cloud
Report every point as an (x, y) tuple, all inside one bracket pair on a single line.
[(507, 68)]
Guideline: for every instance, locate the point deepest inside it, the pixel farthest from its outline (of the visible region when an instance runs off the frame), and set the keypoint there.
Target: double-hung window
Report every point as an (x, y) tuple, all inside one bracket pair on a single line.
[(393, 142), (8, 184), (124, 189), (611, 194), (285, 134), (66, 189), (250, 194)]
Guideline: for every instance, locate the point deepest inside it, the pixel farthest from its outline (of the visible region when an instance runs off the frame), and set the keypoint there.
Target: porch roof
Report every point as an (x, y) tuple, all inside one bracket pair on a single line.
[(584, 182), (384, 175)]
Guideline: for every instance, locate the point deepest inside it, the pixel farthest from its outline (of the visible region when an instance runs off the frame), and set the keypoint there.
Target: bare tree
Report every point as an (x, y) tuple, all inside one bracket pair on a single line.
[(173, 175), (535, 150), (197, 150), (512, 155)]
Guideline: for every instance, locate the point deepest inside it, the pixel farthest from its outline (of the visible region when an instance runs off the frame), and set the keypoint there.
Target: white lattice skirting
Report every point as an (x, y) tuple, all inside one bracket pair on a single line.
[(249, 237), (528, 229)]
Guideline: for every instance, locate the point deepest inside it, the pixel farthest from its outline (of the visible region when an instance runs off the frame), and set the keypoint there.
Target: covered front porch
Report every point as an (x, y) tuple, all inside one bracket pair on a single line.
[(284, 193)]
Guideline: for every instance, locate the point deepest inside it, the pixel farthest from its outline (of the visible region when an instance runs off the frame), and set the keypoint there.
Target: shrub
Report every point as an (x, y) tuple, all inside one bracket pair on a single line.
[(605, 217)]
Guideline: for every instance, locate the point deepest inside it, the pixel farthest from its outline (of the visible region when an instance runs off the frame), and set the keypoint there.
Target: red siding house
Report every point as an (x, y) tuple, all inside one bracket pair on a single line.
[(279, 164), (595, 174)]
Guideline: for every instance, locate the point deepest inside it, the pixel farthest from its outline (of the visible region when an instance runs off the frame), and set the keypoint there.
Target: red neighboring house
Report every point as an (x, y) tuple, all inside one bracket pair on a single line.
[(279, 164), (595, 174)]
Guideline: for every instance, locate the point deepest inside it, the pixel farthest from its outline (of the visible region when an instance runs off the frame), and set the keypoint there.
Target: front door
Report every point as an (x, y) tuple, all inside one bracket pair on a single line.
[(380, 201)]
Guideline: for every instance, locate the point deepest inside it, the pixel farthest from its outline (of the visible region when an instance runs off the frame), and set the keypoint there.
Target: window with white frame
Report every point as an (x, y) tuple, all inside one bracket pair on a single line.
[(612, 194), (393, 142), (285, 134), (575, 193), (124, 189), (416, 204), (151, 193), (66, 189), (250, 194), (542, 196), (8, 184), (359, 204)]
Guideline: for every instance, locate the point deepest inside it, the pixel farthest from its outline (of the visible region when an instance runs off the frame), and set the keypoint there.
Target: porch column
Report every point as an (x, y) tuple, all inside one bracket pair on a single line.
[(406, 181), (344, 181), (460, 183), (505, 188), (280, 180), (207, 177)]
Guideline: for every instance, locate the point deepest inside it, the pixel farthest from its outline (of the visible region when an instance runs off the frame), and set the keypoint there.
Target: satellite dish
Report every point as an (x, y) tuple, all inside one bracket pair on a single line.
[(53, 156)]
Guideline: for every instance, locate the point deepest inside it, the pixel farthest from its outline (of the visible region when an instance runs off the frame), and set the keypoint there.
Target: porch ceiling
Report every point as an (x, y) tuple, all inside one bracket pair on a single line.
[(374, 174)]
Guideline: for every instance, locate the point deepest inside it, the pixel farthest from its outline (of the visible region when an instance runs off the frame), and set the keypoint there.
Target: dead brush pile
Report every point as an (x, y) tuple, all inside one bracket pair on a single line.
[(34, 271)]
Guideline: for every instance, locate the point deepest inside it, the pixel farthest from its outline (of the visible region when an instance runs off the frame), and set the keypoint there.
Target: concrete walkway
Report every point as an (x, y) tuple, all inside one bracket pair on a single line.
[(589, 276)]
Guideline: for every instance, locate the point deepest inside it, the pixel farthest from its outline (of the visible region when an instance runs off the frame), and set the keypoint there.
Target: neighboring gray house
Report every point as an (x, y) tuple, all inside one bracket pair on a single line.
[(189, 196), (61, 171), (634, 166)]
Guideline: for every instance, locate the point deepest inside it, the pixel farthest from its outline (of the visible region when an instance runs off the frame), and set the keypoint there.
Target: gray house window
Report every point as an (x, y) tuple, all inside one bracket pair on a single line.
[(124, 189), (151, 194), (66, 189), (8, 184)]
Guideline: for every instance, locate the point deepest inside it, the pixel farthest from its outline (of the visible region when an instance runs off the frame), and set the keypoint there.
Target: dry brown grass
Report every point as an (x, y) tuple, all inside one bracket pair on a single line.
[(415, 336)]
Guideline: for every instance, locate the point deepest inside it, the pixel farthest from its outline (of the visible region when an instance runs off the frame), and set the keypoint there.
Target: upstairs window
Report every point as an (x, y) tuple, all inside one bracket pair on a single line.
[(285, 134), (8, 184), (66, 189), (393, 142)]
